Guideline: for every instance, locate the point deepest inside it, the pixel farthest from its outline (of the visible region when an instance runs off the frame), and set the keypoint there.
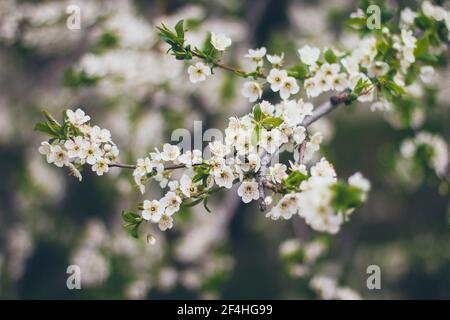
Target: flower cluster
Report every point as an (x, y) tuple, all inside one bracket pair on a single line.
[(247, 156), (328, 289), (76, 143), (323, 202), (428, 148), (302, 260)]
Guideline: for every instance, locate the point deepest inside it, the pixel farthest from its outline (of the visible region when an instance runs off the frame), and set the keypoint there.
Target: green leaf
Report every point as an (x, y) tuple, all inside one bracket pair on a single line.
[(386, 93), (65, 117), (255, 136), (299, 71), (107, 40), (411, 75), (75, 79), (133, 229), (360, 86), (330, 57), (382, 46), (133, 222), (294, 179), (356, 22), (423, 22), (131, 217), (346, 197), (50, 119), (179, 28), (257, 113), (422, 46), (428, 58), (395, 88), (272, 122), (200, 173), (44, 128), (441, 31)]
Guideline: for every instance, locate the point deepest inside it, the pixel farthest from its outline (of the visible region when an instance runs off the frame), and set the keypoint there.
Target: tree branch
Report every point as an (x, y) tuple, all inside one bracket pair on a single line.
[(261, 200), (318, 113), (132, 166), (326, 108), (122, 165), (236, 71)]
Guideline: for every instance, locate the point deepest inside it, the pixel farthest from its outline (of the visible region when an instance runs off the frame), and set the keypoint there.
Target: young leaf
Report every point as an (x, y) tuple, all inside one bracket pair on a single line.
[(44, 128), (130, 217), (395, 88), (294, 179), (299, 71), (257, 113), (346, 197), (179, 28), (133, 229), (272, 122), (330, 57), (255, 136), (422, 46)]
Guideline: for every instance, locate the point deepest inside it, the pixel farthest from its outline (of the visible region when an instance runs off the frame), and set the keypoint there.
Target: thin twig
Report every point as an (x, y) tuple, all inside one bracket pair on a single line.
[(262, 196), (132, 166), (236, 71), (325, 108), (122, 165)]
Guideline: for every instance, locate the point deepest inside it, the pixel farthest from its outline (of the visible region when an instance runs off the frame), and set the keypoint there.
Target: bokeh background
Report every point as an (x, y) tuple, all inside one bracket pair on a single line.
[(116, 69)]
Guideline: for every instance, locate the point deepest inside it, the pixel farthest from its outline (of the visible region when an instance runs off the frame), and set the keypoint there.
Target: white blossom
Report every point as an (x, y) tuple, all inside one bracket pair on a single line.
[(170, 152), (58, 156), (248, 191), (358, 181), (152, 211), (288, 87), (76, 148), (309, 55), (276, 60), (312, 88), (198, 72), (435, 12), (171, 203), (378, 69), (252, 90), (427, 73), (267, 108), (278, 173), (190, 158), (220, 41), (276, 78), (407, 16), (166, 222), (270, 140), (77, 117), (256, 55), (224, 177), (101, 166), (46, 149), (93, 153), (187, 187)]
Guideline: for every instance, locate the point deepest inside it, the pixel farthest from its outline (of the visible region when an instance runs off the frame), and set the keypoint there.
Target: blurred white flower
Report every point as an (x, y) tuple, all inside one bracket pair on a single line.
[(309, 55), (220, 41)]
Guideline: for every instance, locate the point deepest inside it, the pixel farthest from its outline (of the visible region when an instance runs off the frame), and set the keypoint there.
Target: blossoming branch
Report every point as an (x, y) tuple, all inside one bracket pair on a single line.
[(378, 71)]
